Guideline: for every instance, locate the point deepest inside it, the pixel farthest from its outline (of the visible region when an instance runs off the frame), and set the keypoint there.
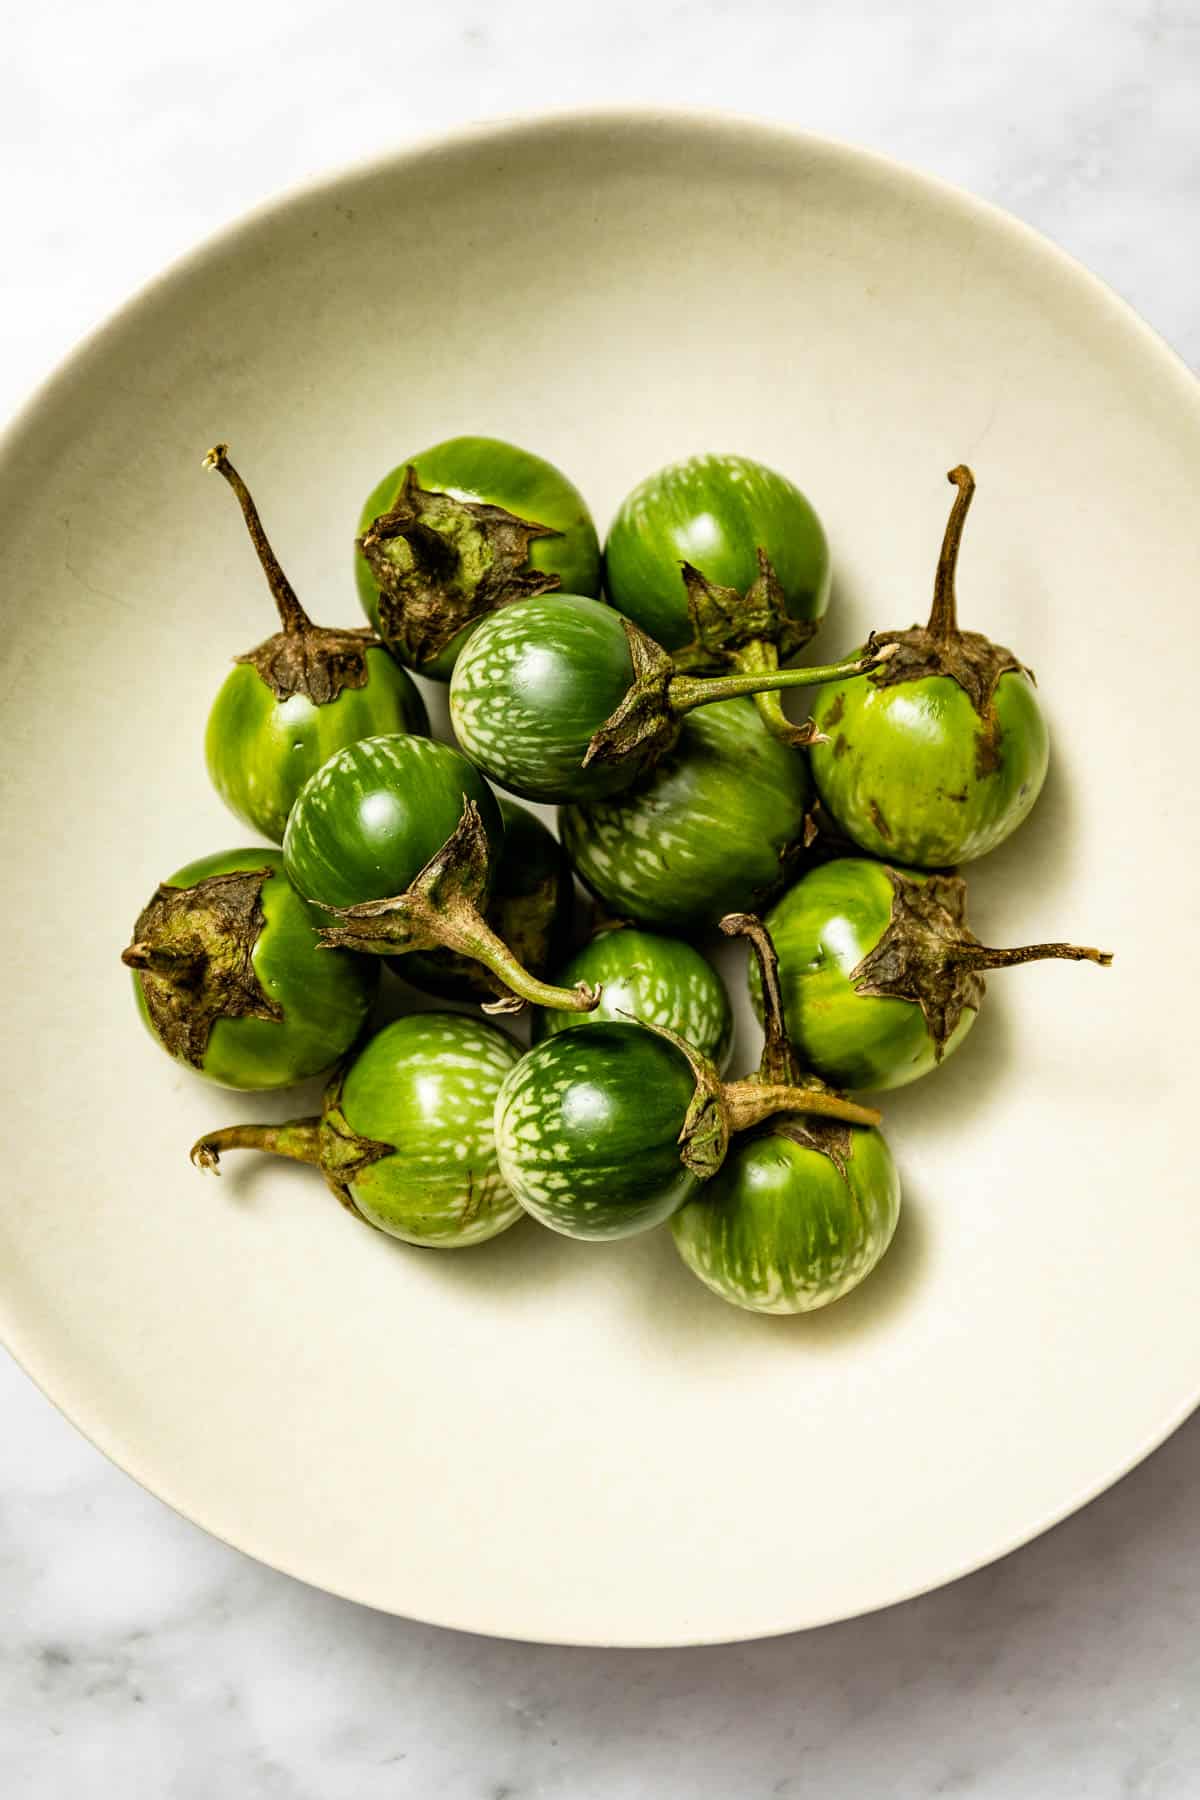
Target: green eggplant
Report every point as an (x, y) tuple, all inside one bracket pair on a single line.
[(404, 1139)]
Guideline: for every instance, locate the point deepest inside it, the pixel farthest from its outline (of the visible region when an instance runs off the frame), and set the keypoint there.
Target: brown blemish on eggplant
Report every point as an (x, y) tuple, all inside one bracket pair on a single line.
[(878, 821), (987, 745)]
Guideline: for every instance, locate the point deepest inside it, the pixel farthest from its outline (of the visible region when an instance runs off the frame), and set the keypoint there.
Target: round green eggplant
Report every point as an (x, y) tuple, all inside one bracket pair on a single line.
[(289, 703), (533, 686), (427, 1085), (405, 1137), (713, 828), (260, 750), (659, 980), (531, 909), (372, 816), (902, 776), (230, 979), (714, 512), (786, 1226), (588, 1127), (823, 930), (487, 472), (880, 975), (937, 755)]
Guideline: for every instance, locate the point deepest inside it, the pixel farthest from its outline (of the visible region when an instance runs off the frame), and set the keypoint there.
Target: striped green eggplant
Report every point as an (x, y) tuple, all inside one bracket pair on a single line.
[(805, 1204), (937, 756), (605, 1130), (658, 980), (724, 562), (797, 1217), (398, 840), (405, 1136), (717, 826), (559, 698)]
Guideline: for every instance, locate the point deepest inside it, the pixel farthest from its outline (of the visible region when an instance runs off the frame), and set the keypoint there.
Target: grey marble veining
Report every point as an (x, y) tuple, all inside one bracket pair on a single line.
[(138, 1655)]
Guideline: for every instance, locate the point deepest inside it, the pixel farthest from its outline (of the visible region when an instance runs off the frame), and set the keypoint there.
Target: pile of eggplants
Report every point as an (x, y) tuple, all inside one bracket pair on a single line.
[(639, 691)]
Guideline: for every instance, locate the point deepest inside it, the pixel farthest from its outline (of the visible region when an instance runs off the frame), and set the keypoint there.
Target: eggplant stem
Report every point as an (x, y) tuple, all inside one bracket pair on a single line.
[(943, 616), (750, 1102), (464, 928), (292, 615), (298, 1139), (153, 960), (443, 909), (778, 1065), (687, 691), (980, 956)]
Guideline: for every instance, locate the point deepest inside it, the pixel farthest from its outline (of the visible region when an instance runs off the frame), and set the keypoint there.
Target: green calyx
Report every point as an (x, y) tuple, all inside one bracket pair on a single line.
[(751, 630), (443, 908), (940, 647), (441, 563), (726, 622), (646, 723), (317, 661), (328, 1143), (192, 950), (529, 909), (928, 956)]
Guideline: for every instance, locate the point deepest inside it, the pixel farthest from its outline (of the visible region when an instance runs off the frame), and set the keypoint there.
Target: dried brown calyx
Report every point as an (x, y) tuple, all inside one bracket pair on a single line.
[(317, 661), (927, 954), (721, 1109), (443, 908), (441, 563), (193, 950), (328, 1142), (828, 1137), (940, 647)]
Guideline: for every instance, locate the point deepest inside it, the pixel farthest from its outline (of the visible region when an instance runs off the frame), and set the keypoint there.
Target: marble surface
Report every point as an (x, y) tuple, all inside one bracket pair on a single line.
[(139, 1655)]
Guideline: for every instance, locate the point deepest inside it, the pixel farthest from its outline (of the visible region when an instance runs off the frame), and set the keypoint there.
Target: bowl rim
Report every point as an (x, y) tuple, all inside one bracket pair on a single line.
[(532, 123)]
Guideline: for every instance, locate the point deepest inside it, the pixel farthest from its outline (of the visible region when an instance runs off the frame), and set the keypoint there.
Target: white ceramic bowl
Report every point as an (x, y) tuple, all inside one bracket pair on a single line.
[(538, 1438)]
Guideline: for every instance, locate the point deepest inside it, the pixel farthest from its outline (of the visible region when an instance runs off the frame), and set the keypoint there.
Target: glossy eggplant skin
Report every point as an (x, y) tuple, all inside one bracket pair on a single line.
[(715, 827), (587, 1131), (427, 1085), (910, 774), (782, 1228), (260, 751), (823, 929), (534, 684), (372, 816), (714, 512), (659, 980)]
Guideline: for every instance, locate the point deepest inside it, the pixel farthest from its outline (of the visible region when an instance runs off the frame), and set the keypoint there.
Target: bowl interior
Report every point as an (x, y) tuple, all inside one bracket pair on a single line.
[(539, 1438)]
